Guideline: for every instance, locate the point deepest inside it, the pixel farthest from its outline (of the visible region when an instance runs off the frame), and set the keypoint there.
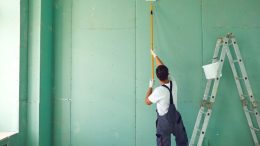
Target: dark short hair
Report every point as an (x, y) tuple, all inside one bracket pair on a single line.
[(162, 72)]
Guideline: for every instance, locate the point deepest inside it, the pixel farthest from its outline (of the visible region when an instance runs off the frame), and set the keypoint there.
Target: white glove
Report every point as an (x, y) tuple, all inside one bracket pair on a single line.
[(152, 52), (151, 83)]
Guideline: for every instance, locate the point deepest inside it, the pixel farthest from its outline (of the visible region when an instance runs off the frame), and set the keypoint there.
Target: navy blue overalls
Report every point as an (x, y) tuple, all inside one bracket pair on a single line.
[(170, 123)]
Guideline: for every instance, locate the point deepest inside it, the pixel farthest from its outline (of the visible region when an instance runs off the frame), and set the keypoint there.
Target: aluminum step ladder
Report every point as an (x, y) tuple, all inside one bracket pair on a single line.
[(241, 79)]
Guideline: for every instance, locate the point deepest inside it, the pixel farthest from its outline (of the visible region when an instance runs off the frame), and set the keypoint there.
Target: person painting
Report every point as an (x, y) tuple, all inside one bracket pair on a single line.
[(169, 120)]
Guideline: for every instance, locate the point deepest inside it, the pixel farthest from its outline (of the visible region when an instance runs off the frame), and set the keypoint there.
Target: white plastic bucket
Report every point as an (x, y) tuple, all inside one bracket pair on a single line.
[(211, 70)]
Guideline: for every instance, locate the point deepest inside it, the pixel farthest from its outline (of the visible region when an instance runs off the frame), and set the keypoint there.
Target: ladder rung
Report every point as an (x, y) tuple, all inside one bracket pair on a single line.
[(255, 129), (198, 130), (206, 103), (203, 112), (206, 96), (250, 111), (244, 95), (237, 61), (241, 78), (255, 104)]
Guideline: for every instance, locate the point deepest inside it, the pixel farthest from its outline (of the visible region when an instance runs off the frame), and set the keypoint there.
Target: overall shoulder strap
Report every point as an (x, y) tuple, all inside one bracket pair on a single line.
[(170, 90)]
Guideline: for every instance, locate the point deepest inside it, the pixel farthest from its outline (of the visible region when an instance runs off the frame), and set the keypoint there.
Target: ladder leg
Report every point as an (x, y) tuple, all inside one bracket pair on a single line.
[(216, 50), (242, 98), (196, 127), (245, 76), (248, 88), (257, 116), (205, 97), (204, 127), (251, 127)]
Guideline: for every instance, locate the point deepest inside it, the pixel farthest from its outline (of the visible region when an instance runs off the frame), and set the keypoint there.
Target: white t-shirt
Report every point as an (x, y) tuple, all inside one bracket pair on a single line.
[(161, 96)]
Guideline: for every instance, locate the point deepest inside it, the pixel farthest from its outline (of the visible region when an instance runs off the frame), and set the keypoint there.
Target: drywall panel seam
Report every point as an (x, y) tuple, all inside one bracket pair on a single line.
[(24, 66), (27, 64), (70, 83), (135, 65), (202, 42)]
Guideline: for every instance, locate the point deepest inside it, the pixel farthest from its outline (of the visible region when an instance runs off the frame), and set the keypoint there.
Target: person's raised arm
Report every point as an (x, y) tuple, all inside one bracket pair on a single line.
[(148, 93), (157, 59)]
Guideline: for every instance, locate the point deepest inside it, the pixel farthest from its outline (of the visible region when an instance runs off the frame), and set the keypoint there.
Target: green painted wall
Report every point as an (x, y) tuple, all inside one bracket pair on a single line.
[(103, 73), (102, 67), (108, 67)]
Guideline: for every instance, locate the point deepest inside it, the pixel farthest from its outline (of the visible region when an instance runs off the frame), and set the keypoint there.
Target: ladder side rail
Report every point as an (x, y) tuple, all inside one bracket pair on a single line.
[(243, 70), (221, 63), (247, 83), (214, 59), (216, 50)]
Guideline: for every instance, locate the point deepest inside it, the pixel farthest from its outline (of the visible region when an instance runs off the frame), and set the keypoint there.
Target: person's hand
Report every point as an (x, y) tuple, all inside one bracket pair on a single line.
[(152, 52), (151, 83)]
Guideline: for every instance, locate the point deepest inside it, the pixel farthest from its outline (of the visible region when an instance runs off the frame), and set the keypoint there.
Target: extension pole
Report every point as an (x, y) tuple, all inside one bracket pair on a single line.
[(152, 37)]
